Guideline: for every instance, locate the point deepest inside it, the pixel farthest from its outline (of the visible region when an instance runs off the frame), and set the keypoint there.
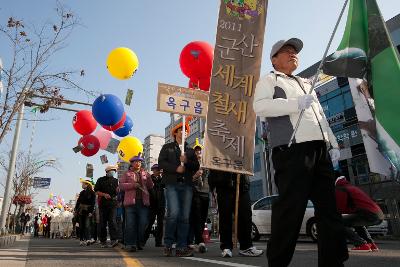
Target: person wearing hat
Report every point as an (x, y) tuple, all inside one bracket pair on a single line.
[(84, 208), (200, 201), (157, 206), (358, 210), (106, 190), (178, 170), (304, 170), (135, 183)]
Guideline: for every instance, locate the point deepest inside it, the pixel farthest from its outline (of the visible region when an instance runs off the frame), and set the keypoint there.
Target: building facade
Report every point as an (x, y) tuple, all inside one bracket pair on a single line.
[(151, 149), (337, 102)]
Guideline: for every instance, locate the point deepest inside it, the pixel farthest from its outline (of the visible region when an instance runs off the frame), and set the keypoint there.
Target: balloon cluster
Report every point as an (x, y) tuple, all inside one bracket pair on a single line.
[(55, 201), (196, 61), (108, 111)]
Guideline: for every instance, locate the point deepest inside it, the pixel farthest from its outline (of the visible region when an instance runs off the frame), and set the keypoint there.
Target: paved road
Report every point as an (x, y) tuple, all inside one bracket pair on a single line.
[(55, 252)]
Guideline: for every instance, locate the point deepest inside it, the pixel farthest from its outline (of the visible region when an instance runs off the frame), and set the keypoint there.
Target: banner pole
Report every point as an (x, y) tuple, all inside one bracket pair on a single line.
[(183, 135), (318, 70), (236, 210)]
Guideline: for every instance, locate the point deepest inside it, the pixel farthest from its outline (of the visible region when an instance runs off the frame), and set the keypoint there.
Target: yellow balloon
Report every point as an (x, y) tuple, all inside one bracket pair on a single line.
[(129, 147), (51, 195), (122, 63), (59, 206)]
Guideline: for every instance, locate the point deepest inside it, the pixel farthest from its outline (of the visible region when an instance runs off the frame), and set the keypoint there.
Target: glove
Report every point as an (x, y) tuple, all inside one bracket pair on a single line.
[(305, 101), (335, 154)]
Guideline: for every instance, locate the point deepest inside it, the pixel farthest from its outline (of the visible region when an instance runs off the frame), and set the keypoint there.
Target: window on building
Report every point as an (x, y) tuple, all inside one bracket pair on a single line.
[(348, 100), (335, 105), (333, 93), (257, 162)]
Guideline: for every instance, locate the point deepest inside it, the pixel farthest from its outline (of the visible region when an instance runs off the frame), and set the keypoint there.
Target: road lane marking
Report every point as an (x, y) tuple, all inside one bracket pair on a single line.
[(129, 260), (226, 263)]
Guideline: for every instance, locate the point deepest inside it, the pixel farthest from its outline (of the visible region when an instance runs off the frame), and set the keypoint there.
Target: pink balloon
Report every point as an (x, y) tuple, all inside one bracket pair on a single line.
[(104, 137)]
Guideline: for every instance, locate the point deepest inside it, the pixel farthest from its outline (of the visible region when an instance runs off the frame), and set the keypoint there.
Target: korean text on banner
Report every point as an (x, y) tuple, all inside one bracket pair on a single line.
[(230, 131), (180, 100)]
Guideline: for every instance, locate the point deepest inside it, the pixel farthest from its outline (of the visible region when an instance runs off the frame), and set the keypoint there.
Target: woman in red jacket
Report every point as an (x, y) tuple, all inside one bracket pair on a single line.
[(135, 184), (359, 211)]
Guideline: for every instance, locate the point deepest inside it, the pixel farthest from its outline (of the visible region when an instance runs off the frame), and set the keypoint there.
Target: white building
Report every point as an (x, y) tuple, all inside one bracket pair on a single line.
[(151, 149)]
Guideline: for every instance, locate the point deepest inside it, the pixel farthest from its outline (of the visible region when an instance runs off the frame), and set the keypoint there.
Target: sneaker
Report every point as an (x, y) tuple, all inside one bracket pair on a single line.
[(167, 252), (373, 246), (91, 241), (362, 248), (113, 243), (194, 247), (251, 252), (226, 253), (202, 248), (82, 243), (174, 246), (184, 252)]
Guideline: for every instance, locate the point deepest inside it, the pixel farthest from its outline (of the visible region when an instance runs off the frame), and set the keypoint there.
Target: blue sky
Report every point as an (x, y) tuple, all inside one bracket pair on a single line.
[(157, 31)]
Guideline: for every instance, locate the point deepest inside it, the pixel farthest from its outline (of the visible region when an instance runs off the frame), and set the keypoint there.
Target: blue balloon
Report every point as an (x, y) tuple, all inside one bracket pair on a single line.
[(126, 129), (107, 109)]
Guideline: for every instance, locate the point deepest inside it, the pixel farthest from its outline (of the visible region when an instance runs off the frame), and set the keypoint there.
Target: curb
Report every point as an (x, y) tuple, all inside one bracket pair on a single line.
[(7, 241)]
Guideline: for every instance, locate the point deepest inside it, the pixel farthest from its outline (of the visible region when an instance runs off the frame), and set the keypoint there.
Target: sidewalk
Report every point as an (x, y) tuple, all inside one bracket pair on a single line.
[(15, 256)]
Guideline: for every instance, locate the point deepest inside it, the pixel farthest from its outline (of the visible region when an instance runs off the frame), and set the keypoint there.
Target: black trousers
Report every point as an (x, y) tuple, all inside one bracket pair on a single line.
[(108, 216), (359, 234), (154, 213), (198, 217), (226, 209), (85, 227), (302, 172)]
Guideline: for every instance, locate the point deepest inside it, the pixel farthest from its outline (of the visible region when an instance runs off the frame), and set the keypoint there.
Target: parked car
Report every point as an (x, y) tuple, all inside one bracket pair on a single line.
[(379, 230), (261, 219)]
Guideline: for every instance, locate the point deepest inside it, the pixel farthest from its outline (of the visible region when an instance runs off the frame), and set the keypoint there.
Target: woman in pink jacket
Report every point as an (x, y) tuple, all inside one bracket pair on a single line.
[(135, 184)]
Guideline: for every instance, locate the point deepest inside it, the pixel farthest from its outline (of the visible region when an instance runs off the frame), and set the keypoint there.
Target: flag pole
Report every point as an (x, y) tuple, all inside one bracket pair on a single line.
[(183, 135), (236, 211), (314, 81)]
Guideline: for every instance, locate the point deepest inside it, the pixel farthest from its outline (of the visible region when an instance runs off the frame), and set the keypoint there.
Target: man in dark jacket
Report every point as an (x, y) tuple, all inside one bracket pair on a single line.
[(358, 210), (157, 206), (199, 210), (225, 185), (178, 170), (106, 190), (84, 208)]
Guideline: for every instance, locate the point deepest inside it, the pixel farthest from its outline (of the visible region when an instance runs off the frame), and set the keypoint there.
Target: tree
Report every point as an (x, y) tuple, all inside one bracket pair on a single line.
[(27, 167), (29, 72)]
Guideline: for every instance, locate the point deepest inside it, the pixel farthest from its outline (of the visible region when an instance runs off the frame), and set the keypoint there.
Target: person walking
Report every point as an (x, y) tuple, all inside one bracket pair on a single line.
[(157, 206), (200, 200), (358, 211), (85, 207), (135, 184), (36, 226), (225, 185), (106, 190), (178, 170), (22, 221), (304, 170)]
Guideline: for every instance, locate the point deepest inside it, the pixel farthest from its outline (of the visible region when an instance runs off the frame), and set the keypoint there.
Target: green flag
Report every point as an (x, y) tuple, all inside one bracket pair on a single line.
[(367, 52)]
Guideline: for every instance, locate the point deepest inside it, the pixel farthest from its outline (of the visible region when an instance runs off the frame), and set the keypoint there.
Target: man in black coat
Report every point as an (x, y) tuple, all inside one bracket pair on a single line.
[(106, 190), (178, 170), (157, 206)]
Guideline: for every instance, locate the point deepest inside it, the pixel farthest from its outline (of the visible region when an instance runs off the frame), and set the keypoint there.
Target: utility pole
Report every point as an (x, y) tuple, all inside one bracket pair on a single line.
[(11, 170)]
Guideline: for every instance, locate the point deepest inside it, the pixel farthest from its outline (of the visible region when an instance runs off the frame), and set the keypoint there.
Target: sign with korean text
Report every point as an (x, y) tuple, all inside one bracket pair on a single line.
[(40, 182), (180, 100), (229, 137)]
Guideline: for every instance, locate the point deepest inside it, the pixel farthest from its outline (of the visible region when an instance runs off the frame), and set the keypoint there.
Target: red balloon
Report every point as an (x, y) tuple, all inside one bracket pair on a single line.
[(90, 144), (84, 122), (202, 84), (117, 125), (196, 59)]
